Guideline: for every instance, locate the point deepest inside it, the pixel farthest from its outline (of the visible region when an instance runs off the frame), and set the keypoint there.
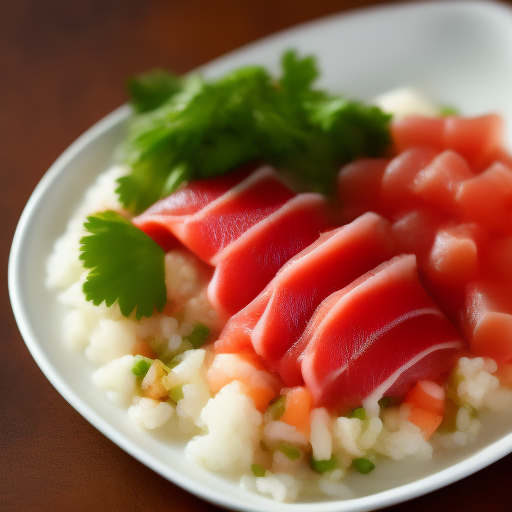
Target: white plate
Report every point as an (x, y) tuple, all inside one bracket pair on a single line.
[(457, 53)]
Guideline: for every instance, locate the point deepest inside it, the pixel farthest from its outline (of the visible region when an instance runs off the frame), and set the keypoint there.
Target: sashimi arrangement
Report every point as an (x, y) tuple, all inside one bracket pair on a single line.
[(300, 283)]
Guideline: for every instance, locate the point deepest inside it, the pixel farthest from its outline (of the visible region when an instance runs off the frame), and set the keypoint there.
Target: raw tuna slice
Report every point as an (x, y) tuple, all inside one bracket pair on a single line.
[(439, 182), (497, 260), (412, 131), (478, 140), (487, 320), (376, 338), (453, 258), (397, 193), (359, 185), (416, 230), (487, 198), (275, 320), (248, 264), (184, 202), (206, 229)]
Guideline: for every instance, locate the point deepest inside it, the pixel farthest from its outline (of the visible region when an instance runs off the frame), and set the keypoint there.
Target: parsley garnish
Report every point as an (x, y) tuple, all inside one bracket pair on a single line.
[(190, 128), (125, 265)]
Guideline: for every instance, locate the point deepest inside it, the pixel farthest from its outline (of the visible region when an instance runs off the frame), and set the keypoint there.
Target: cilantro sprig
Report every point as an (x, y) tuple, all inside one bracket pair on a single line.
[(125, 265), (190, 128)]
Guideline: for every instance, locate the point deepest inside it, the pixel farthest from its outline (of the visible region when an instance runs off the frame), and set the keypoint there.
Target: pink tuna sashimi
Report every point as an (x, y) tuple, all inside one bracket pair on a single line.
[(397, 192), (206, 229), (359, 185), (496, 257), (376, 338), (487, 320), (247, 265), (487, 199), (439, 182), (453, 259), (478, 140), (415, 232), (286, 305), (184, 202)]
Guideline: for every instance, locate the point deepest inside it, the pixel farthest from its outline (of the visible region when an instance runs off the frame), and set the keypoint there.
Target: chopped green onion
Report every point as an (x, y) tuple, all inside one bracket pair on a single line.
[(198, 336), (258, 470), (358, 413), (322, 466), (141, 367), (289, 451), (176, 393), (448, 111), (363, 465), (277, 407)]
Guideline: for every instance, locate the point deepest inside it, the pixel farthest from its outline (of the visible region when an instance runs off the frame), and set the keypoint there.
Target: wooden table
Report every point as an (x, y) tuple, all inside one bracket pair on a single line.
[(62, 67)]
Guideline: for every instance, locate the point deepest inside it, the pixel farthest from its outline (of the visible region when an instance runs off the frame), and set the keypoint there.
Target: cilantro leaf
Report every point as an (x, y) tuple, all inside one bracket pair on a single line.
[(298, 74), (125, 265), (206, 128), (150, 90)]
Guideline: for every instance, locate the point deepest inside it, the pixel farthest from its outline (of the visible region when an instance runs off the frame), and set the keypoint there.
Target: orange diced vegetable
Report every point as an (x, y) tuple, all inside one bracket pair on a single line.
[(426, 421), (427, 405), (299, 403)]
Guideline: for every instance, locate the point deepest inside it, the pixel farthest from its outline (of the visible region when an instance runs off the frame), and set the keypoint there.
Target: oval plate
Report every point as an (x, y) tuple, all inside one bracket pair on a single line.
[(457, 53)]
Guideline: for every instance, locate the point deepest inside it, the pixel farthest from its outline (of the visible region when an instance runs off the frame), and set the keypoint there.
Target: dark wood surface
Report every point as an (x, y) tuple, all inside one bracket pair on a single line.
[(62, 67)]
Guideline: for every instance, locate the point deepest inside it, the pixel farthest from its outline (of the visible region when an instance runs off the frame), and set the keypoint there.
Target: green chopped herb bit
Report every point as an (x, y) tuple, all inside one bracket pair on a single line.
[(199, 335), (258, 470), (277, 407), (125, 265), (358, 413), (141, 367), (289, 451), (363, 465), (322, 466), (448, 111), (176, 393)]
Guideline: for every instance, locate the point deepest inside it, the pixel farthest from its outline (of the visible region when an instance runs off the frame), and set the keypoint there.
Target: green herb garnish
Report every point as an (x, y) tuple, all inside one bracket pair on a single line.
[(190, 128), (277, 407), (289, 451), (176, 393), (322, 466), (125, 265), (258, 470), (358, 413), (199, 335), (448, 111), (363, 465), (141, 367)]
